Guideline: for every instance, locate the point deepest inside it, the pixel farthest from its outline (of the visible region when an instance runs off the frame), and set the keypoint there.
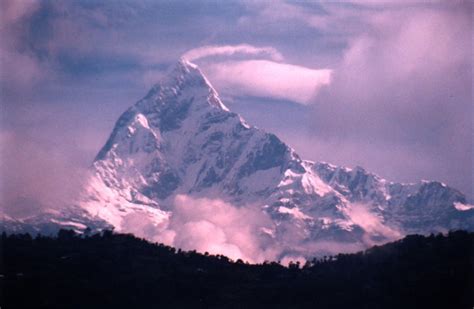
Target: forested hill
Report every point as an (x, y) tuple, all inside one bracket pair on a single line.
[(121, 271)]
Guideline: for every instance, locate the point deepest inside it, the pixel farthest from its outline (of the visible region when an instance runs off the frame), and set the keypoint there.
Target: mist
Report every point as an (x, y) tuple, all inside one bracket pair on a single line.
[(247, 232), (218, 227), (400, 102), (35, 177)]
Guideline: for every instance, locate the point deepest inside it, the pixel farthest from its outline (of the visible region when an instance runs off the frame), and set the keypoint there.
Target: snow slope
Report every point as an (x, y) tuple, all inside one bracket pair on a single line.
[(181, 140)]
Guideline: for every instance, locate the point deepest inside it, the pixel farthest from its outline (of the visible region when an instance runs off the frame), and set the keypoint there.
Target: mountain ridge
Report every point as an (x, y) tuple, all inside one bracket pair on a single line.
[(180, 139)]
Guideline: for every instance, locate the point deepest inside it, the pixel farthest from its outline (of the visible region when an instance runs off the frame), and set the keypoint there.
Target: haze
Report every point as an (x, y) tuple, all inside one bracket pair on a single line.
[(387, 86)]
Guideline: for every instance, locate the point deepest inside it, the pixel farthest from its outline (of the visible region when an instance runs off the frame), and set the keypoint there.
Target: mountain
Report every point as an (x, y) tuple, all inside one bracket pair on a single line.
[(181, 145)]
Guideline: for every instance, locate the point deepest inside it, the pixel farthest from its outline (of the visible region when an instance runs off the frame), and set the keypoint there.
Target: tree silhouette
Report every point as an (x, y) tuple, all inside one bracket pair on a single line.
[(109, 270)]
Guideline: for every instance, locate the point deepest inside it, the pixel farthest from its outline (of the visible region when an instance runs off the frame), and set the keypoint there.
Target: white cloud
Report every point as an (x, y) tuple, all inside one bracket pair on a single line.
[(246, 70), (267, 79), (372, 224), (218, 227), (231, 50)]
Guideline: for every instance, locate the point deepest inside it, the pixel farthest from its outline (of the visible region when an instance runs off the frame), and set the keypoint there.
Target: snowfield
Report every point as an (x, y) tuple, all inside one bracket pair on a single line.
[(179, 150)]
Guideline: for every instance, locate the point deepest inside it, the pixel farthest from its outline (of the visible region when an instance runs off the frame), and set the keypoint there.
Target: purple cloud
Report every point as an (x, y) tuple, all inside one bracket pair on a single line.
[(402, 92), (264, 78)]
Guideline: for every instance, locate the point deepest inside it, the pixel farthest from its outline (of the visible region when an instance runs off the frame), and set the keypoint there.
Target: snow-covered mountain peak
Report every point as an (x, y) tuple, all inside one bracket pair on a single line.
[(184, 97), (187, 81), (181, 140)]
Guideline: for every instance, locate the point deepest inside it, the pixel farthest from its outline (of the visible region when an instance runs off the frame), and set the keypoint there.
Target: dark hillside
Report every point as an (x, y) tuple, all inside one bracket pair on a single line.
[(121, 271)]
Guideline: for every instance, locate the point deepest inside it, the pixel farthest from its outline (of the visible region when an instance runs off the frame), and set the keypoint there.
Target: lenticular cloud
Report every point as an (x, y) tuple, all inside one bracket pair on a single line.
[(230, 50)]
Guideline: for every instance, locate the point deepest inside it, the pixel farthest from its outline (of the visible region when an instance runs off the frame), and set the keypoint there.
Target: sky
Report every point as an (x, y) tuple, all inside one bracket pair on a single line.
[(383, 85)]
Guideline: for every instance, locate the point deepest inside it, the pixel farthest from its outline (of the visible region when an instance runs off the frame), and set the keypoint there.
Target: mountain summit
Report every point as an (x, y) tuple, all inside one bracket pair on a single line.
[(181, 144)]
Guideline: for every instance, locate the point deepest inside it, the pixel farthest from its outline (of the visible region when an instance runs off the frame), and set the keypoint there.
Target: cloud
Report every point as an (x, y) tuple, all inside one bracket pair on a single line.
[(46, 149), (243, 232), (266, 78), (232, 50), (219, 228), (338, 20), (405, 84), (207, 225), (18, 67), (13, 11), (246, 70), (372, 224), (35, 176)]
